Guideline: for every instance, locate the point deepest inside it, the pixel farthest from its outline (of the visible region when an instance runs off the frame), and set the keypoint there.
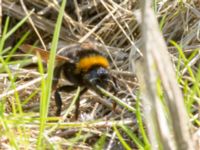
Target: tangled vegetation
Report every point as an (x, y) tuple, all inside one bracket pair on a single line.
[(118, 28)]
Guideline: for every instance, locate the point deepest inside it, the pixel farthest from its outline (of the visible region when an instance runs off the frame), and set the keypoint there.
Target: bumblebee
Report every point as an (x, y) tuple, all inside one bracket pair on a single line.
[(84, 66)]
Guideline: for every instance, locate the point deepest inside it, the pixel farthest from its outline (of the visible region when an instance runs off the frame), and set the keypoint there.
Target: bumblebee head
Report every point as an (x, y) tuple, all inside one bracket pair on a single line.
[(97, 76)]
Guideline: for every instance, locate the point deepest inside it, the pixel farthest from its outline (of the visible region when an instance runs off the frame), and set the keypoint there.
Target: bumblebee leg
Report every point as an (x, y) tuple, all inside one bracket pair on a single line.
[(78, 103), (114, 105), (58, 100), (115, 86), (56, 75)]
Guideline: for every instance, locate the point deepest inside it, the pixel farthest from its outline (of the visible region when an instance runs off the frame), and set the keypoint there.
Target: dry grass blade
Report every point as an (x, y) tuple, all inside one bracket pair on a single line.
[(44, 24), (20, 88), (156, 65)]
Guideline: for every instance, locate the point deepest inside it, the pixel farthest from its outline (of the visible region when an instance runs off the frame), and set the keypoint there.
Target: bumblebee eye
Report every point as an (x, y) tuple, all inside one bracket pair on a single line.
[(102, 73)]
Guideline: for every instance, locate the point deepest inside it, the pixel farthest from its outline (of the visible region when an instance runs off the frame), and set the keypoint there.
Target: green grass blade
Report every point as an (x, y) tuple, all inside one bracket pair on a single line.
[(99, 145), (2, 40), (47, 91), (121, 139), (117, 100), (140, 124), (135, 139), (19, 24), (24, 37)]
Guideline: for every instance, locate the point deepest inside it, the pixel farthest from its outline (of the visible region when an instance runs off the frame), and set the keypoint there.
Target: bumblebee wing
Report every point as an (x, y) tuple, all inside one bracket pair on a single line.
[(26, 48), (74, 49)]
